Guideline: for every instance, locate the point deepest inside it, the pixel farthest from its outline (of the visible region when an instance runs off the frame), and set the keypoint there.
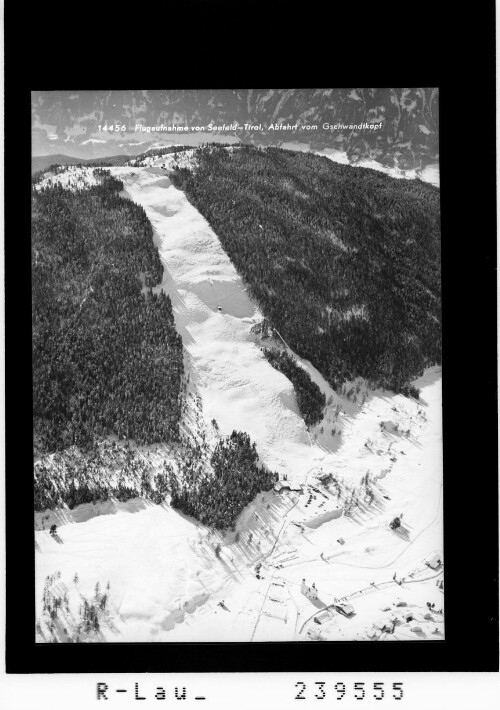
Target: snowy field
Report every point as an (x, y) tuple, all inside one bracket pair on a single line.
[(374, 457)]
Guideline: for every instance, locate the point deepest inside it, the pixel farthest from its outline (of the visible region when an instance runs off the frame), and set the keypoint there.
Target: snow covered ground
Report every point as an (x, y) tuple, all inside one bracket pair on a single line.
[(70, 177), (182, 159), (168, 580)]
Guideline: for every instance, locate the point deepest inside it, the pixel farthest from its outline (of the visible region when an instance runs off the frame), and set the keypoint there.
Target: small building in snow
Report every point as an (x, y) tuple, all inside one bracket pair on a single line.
[(310, 592), (285, 486), (344, 608), (433, 560)]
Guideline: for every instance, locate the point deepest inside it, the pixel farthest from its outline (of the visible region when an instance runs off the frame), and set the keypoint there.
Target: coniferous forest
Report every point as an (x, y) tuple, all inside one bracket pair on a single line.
[(217, 500), (212, 487), (106, 356), (344, 262)]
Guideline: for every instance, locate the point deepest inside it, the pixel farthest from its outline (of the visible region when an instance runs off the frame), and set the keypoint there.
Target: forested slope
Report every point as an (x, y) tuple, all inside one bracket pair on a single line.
[(310, 398), (345, 262), (106, 356), (217, 500)]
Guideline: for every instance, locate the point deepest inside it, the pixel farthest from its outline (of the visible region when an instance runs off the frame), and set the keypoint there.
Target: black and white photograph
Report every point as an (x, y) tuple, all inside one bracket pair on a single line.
[(236, 372)]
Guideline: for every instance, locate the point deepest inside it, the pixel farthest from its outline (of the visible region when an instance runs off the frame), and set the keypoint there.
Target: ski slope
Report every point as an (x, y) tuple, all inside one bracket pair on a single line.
[(239, 388), (166, 581)]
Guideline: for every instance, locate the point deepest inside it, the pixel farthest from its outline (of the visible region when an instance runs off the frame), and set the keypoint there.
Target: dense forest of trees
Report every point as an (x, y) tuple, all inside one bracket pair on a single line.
[(344, 261), (212, 487), (106, 470), (310, 398), (106, 356), (237, 478)]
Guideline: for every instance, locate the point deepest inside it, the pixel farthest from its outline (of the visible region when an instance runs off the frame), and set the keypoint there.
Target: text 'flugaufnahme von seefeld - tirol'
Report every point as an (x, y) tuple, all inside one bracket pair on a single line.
[(213, 128)]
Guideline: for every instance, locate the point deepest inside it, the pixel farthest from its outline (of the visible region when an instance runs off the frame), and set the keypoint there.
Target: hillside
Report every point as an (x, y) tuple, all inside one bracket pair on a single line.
[(106, 356), (344, 262)]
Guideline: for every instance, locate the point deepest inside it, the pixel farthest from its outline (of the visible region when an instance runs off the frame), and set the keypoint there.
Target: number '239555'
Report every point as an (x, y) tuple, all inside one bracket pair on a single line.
[(359, 691)]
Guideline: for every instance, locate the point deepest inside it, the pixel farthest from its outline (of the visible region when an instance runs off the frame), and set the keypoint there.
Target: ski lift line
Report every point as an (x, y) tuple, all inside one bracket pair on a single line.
[(292, 599), (392, 581), (261, 608), (277, 331), (286, 522)]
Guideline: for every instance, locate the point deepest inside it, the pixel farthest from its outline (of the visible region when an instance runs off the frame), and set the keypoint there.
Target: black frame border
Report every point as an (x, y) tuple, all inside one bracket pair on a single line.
[(468, 198)]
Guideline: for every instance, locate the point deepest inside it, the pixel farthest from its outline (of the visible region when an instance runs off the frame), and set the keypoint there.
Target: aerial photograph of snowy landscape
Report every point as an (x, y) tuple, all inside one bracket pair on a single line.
[(237, 387)]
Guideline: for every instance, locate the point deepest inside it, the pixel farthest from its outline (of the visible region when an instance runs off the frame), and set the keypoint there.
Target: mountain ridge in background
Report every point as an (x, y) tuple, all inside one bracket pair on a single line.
[(42, 162)]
